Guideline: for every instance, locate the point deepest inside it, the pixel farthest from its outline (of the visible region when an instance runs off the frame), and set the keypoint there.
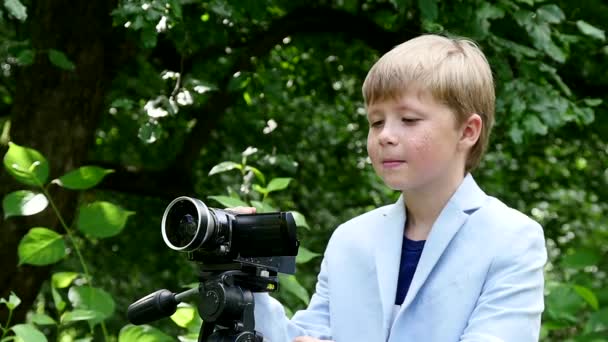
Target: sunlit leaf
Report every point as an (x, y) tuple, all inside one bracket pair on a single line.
[(16, 9), (229, 202), (42, 319), (290, 284), (61, 280), (300, 219), (224, 166), (591, 30), (262, 207), (183, 315), (305, 255), (12, 302), (26, 165), (58, 300), (41, 246), (277, 184), (28, 333), (23, 203), (102, 219), (83, 178), (79, 315), (258, 174), (93, 299)]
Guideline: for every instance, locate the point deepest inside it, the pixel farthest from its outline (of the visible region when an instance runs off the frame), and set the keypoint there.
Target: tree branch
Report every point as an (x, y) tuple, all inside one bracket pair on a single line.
[(322, 21)]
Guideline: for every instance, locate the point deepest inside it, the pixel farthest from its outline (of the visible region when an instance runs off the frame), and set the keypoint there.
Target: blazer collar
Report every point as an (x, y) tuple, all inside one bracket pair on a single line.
[(467, 198)]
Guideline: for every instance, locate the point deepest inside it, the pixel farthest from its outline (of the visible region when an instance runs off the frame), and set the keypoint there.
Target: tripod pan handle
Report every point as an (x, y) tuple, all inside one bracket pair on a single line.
[(152, 307)]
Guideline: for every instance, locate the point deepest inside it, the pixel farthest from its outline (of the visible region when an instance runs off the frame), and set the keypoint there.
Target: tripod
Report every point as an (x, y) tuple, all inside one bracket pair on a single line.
[(226, 304)]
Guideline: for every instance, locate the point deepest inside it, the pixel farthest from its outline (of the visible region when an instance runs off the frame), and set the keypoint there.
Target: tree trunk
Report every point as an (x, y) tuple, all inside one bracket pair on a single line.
[(56, 112)]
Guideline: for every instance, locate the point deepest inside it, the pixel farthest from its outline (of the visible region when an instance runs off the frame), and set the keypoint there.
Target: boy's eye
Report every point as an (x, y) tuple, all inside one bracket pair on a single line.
[(409, 120), (377, 123)]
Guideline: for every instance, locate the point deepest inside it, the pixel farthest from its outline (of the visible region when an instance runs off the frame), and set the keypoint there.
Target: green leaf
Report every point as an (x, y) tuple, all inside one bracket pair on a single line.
[(229, 202), (563, 303), (61, 280), (305, 255), (598, 321), (60, 60), (102, 219), (23, 203), (26, 165), (16, 9), (259, 189), (83, 178), (28, 333), (142, 333), (224, 166), (149, 37), (43, 319), (13, 301), (290, 284), (428, 9), (593, 102), (150, 131), (277, 184), (581, 258), (41, 246), (58, 300), (551, 13), (79, 315), (590, 30), (26, 57), (258, 174), (587, 295), (93, 299), (300, 219), (183, 315), (262, 207)]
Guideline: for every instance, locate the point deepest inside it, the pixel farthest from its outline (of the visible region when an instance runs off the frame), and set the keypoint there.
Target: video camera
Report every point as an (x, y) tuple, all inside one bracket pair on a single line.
[(237, 254)]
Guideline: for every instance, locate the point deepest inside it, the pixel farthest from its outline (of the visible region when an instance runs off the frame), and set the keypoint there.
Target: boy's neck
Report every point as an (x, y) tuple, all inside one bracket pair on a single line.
[(424, 206)]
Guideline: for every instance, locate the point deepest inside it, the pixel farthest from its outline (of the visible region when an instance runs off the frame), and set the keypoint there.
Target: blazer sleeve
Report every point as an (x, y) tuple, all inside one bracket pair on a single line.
[(511, 302), (271, 321)]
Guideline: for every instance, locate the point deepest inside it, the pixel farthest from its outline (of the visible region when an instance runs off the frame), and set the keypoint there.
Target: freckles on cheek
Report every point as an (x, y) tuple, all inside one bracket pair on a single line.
[(422, 145)]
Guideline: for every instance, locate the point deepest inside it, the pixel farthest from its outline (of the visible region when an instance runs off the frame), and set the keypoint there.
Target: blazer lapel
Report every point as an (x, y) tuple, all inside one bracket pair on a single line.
[(388, 256), (467, 198)]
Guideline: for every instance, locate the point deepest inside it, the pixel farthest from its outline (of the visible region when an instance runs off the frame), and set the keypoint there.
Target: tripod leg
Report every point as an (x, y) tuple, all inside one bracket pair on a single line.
[(206, 331)]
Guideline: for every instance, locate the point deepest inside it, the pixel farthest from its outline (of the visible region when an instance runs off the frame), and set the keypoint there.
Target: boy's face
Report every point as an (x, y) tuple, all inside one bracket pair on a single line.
[(413, 142)]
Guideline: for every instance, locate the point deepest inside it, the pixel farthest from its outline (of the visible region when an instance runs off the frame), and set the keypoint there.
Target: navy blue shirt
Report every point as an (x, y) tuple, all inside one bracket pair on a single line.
[(410, 255)]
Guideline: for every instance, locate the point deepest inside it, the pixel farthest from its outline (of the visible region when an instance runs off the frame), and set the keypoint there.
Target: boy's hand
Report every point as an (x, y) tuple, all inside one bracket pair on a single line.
[(308, 339), (242, 210)]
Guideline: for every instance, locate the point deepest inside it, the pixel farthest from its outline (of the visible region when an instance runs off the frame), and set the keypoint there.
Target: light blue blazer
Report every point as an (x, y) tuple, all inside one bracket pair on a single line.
[(480, 278)]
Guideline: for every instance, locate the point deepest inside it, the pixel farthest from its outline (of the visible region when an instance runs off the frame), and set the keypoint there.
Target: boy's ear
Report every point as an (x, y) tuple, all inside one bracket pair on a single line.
[(471, 130)]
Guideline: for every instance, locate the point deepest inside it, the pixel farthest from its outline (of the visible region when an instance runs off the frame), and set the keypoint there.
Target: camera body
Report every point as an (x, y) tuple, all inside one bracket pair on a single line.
[(220, 240)]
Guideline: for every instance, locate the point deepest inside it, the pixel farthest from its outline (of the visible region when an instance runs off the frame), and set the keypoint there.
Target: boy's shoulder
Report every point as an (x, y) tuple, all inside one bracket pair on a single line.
[(361, 227), (497, 218), (493, 217)]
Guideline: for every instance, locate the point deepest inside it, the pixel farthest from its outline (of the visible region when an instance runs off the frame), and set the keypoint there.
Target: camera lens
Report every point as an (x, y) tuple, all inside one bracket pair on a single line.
[(185, 224)]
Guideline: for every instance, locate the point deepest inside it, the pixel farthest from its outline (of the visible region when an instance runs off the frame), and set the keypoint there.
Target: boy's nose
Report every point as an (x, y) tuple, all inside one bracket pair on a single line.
[(387, 137)]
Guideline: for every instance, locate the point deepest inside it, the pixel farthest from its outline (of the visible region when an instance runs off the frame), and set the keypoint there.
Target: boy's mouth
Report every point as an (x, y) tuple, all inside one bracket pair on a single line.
[(391, 163)]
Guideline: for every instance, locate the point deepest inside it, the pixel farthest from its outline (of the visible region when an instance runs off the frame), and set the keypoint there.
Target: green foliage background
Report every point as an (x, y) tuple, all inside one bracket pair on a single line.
[(275, 85)]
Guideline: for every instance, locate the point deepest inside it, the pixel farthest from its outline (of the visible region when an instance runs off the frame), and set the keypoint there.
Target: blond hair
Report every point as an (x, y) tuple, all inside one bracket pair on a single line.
[(453, 70)]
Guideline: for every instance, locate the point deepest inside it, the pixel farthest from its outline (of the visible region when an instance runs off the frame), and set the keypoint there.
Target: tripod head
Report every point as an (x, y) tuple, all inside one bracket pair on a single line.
[(225, 305)]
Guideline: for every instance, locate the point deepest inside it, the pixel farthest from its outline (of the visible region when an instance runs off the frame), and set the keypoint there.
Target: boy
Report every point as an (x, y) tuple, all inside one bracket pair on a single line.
[(446, 262)]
